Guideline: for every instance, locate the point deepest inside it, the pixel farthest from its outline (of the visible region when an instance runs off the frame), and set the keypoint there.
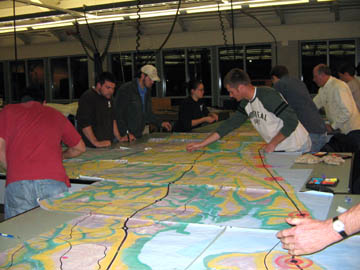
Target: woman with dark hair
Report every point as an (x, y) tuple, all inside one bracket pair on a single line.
[(193, 111)]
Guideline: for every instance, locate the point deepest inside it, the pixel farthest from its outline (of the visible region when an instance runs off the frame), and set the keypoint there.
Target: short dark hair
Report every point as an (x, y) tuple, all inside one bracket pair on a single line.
[(279, 71), (323, 69), (32, 93), (235, 77), (105, 76), (193, 84), (347, 67)]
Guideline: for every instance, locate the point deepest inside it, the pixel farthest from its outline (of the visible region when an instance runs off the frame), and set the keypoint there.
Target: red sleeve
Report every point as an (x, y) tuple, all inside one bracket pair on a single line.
[(70, 136), (3, 124)]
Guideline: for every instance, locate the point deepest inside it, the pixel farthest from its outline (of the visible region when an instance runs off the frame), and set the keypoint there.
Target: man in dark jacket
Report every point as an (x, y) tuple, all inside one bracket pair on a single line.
[(132, 106)]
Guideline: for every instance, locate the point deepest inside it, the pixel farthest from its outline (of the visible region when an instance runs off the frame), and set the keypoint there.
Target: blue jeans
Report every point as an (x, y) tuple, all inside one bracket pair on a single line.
[(318, 141), (22, 195)]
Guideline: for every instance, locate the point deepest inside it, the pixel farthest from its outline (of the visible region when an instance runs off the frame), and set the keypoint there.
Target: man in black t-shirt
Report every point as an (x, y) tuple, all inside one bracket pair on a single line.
[(95, 119)]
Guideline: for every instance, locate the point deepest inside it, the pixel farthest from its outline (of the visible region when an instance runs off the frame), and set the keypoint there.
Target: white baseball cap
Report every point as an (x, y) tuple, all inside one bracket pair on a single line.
[(151, 71)]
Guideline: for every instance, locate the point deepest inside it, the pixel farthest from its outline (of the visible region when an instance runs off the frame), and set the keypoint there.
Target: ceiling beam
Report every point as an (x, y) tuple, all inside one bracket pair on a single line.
[(228, 18), (24, 38), (57, 35), (95, 32), (335, 9), (182, 25), (280, 14)]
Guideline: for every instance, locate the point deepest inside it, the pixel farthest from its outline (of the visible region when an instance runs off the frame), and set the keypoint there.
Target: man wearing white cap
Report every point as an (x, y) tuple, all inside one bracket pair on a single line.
[(132, 105)]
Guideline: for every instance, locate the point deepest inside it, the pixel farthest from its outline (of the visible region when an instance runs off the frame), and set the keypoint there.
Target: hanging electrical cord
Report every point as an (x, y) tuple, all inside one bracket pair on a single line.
[(222, 25), (233, 29), (266, 29), (83, 43), (90, 33), (15, 47), (118, 45), (97, 58), (138, 30), (108, 42), (172, 27), (170, 32)]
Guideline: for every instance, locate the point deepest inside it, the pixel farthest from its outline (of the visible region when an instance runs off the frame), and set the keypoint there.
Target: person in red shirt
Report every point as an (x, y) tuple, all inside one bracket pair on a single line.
[(31, 134)]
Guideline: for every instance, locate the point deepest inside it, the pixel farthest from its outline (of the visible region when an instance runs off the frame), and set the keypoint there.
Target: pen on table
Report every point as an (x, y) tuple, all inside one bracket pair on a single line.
[(7, 235)]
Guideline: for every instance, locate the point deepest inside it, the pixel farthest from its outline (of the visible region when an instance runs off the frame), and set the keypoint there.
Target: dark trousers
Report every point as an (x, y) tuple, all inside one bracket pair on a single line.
[(348, 143)]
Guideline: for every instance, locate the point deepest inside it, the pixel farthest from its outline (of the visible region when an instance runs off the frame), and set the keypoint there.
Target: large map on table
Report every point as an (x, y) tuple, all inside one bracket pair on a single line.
[(102, 242), (160, 207)]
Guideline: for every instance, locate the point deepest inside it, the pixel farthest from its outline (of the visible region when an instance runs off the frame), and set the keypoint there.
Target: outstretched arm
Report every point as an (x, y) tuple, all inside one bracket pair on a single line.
[(210, 139)]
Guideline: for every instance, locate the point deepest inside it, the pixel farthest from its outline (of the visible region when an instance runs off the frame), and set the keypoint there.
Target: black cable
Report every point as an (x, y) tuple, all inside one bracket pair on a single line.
[(232, 29), (82, 41), (90, 32), (15, 48), (108, 42), (222, 25), (170, 32), (266, 29), (138, 30), (172, 26)]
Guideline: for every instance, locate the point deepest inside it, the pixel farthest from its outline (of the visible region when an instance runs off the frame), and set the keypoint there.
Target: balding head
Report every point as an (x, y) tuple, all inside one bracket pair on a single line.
[(321, 74)]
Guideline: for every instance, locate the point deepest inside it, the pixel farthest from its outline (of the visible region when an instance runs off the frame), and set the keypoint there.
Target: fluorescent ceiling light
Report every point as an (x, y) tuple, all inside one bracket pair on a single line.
[(11, 29), (150, 14), (278, 3), (52, 25), (100, 19), (210, 8)]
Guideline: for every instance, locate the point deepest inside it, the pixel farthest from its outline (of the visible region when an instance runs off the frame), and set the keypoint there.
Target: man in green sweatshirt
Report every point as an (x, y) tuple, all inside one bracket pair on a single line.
[(269, 113)]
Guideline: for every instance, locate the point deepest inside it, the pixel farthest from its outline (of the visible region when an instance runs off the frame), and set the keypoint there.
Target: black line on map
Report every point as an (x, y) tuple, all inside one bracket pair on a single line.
[(70, 237), (125, 228)]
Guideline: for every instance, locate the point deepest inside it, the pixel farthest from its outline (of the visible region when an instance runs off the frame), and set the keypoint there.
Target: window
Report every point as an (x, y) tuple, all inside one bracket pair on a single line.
[(79, 75), (144, 58), (341, 52), (312, 54), (59, 78), (121, 67), (318, 52), (36, 75), (199, 63), (258, 63), (18, 80), (229, 58), (174, 72)]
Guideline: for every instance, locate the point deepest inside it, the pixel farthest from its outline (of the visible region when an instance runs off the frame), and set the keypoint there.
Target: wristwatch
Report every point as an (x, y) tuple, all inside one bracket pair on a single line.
[(339, 227)]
